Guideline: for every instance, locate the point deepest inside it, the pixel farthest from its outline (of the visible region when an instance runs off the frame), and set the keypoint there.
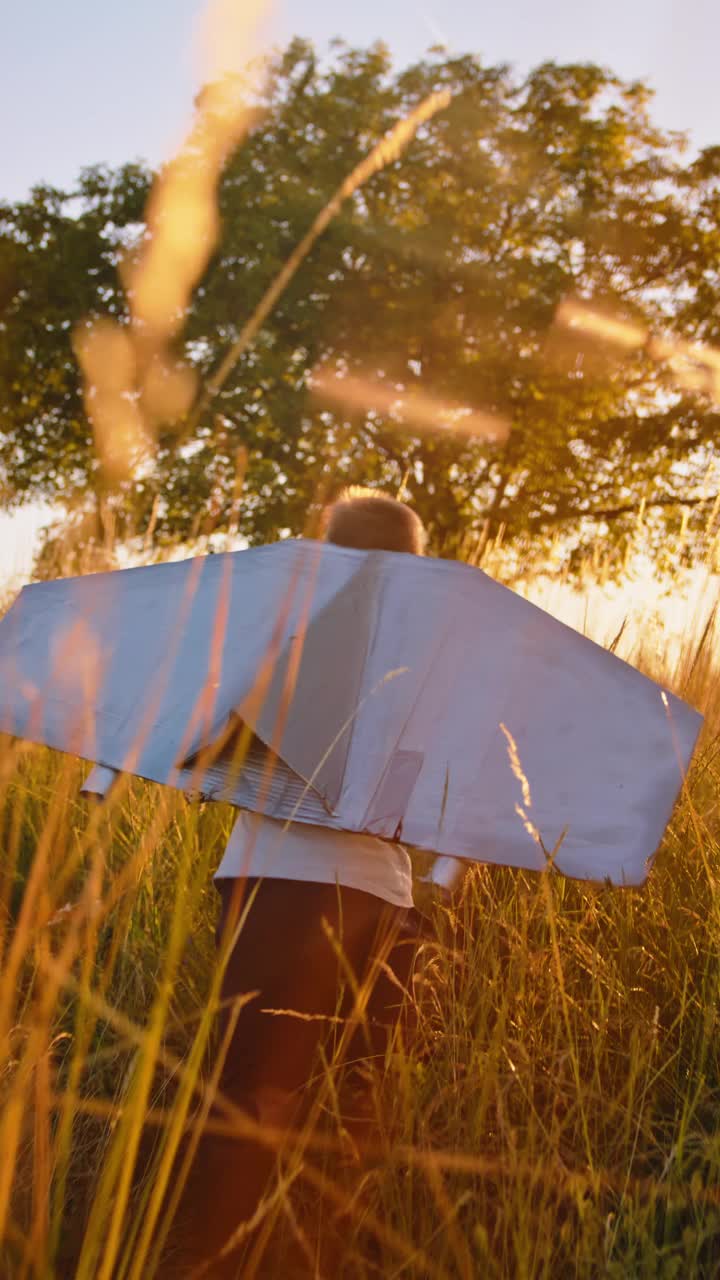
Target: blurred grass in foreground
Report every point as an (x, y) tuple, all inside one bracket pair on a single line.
[(555, 1114)]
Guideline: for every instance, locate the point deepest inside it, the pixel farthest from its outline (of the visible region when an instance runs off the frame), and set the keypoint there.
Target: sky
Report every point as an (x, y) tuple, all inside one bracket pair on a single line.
[(89, 81), (98, 81)]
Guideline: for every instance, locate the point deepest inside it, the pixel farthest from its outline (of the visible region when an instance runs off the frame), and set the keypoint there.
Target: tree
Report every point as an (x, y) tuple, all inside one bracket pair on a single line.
[(443, 276)]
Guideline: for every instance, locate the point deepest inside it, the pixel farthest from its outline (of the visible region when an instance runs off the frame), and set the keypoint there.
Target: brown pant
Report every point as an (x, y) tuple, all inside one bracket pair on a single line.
[(284, 952)]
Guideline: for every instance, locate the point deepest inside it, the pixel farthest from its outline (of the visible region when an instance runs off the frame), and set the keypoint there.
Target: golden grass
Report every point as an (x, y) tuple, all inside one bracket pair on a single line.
[(553, 1113)]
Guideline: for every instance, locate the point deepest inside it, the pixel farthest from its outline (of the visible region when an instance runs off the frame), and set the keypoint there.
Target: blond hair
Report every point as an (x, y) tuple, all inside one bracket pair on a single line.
[(371, 520)]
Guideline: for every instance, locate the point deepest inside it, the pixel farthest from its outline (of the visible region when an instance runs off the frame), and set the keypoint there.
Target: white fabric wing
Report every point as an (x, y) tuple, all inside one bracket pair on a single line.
[(409, 698)]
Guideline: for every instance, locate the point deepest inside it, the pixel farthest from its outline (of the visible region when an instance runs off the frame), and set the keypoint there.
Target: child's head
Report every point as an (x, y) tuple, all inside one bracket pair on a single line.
[(370, 520)]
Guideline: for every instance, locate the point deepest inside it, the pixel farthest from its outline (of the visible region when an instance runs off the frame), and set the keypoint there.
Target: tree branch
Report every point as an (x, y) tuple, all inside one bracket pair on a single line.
[(612, 513)]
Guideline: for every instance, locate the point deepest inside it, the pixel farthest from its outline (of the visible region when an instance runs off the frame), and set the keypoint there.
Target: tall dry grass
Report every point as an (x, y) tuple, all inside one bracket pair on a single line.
[(551, 1109)]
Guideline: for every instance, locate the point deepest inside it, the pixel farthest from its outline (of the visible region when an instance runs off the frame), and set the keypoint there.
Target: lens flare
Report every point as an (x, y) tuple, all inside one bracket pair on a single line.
[(414, 410), (620, 333), (695, 366)]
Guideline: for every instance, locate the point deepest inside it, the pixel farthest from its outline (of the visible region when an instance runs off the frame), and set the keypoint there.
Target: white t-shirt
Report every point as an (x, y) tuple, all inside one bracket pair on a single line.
[(266, 848)]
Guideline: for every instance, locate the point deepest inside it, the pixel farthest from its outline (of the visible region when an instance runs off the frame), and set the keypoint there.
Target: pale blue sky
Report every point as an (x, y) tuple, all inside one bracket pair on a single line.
[(85, 81)]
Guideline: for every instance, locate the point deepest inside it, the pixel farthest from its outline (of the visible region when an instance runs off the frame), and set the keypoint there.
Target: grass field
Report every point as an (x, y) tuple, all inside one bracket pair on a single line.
[(555, 1113)]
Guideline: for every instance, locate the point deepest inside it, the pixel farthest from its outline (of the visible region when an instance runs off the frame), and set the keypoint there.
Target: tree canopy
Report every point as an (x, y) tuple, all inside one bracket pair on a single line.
[(441, 278)]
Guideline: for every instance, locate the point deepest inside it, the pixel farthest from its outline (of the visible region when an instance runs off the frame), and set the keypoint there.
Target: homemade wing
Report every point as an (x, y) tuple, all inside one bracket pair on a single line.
[(411, 698)]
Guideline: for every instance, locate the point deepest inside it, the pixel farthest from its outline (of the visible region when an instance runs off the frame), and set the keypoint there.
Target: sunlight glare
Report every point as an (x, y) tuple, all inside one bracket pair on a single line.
[(414, 410), (694, 366)]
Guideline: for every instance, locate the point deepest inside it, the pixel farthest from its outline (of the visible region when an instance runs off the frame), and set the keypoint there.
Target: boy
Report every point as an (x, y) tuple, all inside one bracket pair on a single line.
[(302, 883)]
